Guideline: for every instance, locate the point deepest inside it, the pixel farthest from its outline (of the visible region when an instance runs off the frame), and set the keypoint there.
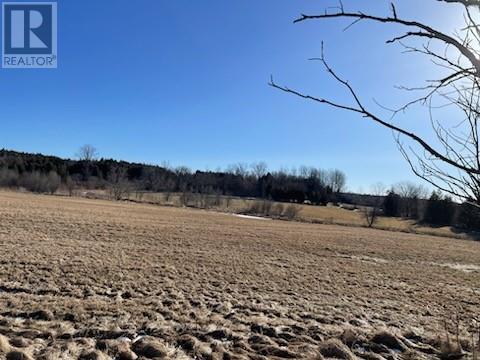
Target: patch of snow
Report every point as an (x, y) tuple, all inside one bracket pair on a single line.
[(468, 268), (250, 217)]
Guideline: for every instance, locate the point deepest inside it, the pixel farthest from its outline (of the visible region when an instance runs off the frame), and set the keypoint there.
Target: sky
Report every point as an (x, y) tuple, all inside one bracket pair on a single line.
[(186, 82)]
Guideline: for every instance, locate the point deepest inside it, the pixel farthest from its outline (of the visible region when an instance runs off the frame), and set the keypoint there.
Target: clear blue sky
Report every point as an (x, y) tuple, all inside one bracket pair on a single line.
[(186, 82)]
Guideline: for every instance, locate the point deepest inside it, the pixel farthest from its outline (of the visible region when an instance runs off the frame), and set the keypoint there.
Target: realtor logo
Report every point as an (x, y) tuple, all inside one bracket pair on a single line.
[(29, 35)]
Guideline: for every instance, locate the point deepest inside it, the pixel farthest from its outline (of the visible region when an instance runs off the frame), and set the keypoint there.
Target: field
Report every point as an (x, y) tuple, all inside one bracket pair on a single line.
[(331, 215), (94, 279)]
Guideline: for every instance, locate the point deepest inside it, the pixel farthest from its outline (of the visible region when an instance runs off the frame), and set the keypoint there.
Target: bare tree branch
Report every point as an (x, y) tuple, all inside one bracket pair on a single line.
[(428, 32), (466, 3), (360, 109), (451, 162)]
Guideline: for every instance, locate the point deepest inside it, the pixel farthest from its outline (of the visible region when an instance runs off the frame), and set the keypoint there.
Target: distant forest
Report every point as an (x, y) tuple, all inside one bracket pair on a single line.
[(41, 173)]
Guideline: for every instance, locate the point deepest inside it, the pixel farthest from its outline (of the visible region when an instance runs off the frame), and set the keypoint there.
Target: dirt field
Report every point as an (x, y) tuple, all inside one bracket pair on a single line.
[(92, 279)]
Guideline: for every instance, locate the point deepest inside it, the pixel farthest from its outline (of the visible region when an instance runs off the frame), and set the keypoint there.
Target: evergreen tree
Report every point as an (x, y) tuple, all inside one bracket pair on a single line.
[(440, 210), (391, 204)]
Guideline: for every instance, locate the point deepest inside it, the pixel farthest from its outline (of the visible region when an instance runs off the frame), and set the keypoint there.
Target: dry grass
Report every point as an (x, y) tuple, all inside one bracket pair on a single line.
[(92, 279), (329, 215)]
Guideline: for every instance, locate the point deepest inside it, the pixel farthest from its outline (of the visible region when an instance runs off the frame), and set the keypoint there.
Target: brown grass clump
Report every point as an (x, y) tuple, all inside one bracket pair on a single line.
[(20, 342), (44, 315), (334, 348), (350, 337), (4, 345), (188, 342), (193, 346), (127, 355), (291, 212), (92, 355), (220, 334), (276, 351), (450, 350), (308, 351), (113, 347), (152, 348), (389, 340)]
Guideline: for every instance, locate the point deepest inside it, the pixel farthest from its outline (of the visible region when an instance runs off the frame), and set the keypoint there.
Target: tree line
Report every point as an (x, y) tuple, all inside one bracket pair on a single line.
[(413, 202), (46, 174)]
